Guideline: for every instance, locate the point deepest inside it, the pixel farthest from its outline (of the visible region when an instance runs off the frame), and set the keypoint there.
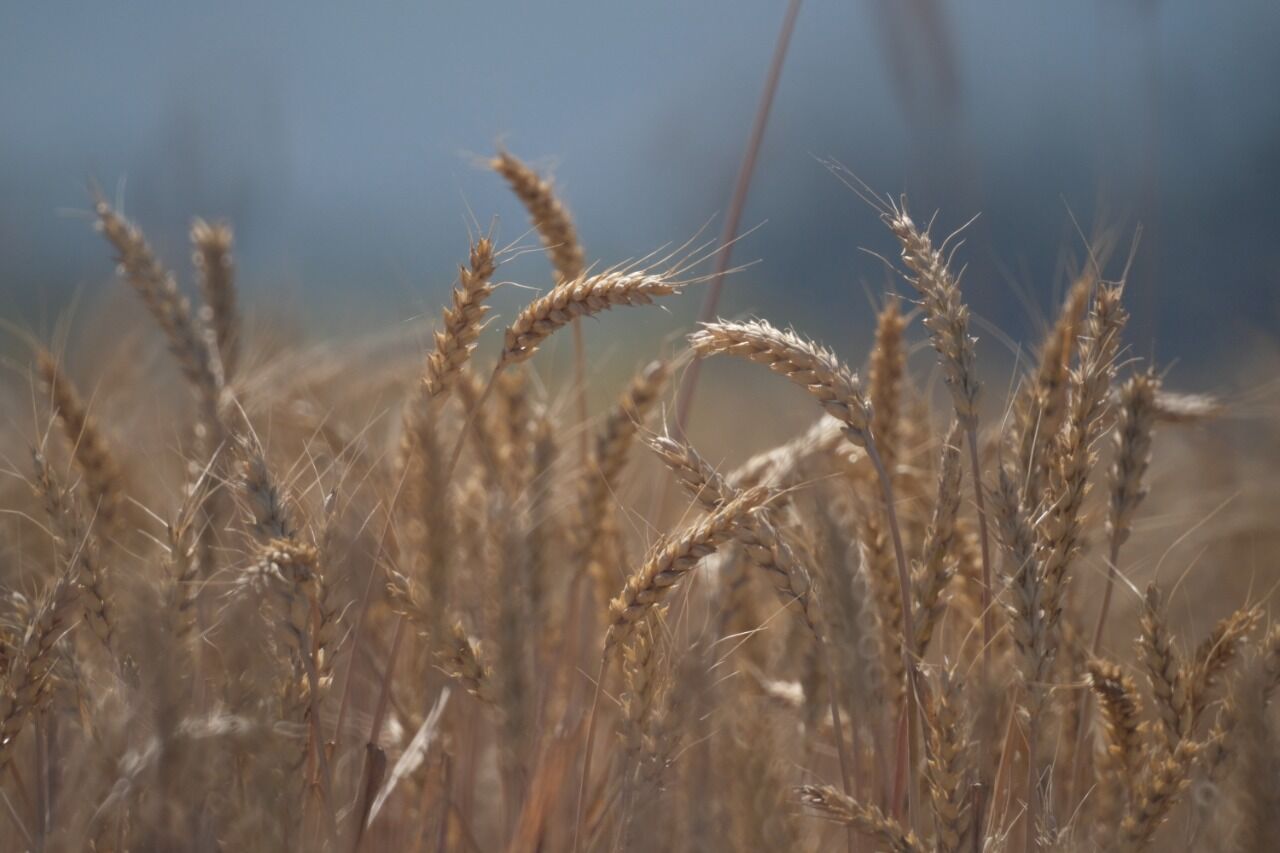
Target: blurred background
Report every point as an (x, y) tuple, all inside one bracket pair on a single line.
[(343, 142)]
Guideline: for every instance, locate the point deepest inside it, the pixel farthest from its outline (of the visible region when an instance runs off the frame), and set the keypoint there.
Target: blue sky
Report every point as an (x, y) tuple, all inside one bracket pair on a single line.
[(341, 140)]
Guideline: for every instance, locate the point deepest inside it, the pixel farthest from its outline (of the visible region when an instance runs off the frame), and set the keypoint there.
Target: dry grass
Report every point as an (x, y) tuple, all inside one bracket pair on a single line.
[(275, 612)]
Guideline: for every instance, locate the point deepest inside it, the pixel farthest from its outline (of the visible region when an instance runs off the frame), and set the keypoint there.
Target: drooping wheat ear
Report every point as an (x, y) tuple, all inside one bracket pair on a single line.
[(937, 563), (549, 216), (946, 316), (950, 765), (215, 267), (1041, 403), (1122, 754), (103, 483), (1154, 796), (1164, 670), (759, 537), (456, 338), (78, 549), (812, 367), (25, 687), (599, 483), (671, 559), (158, 290), (1263, 679), (1213, 657), (885, 372), (828, 803), (581, 297)]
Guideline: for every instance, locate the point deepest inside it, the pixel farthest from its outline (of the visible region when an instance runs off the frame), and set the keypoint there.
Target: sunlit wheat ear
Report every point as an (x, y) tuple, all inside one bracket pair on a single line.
[(828, 803), (949, 763), (670, 560), (946, 315), (937, 554), (550, 217), (814, 368), (463, 321), (212, 258), (581, 297), (103, 483), (886, 372)]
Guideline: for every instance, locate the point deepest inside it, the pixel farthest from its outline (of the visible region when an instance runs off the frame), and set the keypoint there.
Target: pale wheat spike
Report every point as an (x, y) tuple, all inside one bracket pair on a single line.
[(1060, 530), (671, 559), (1164, 670), (828, 803), (814, 368), (937, 554), (949, 767), (215, 267), (463, 321), (1137, 415), (885, 372), (1041, 403), (158, 290), (455, 652), (549, 216), (582, 297), (760, 539), (93, 456), (946, 316), (1154, 796), (1212, 658)]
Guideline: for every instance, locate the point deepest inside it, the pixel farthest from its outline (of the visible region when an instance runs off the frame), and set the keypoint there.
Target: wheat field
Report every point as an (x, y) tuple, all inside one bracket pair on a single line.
[(274, 594)]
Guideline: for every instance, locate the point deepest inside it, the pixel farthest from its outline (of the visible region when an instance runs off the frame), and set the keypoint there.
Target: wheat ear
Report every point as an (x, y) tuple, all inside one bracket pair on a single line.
[(158, 289), (559, 237), (215, 266), (103, 482), (947, 319), (456, 338), (837, 390)]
